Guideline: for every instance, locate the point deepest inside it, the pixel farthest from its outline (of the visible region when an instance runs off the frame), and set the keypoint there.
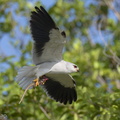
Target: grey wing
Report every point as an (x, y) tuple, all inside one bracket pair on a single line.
[(48, 40), (61, 87)]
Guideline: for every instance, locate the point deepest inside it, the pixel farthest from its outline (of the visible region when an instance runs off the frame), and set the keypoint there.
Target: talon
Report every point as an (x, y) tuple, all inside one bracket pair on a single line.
[(36, 81)]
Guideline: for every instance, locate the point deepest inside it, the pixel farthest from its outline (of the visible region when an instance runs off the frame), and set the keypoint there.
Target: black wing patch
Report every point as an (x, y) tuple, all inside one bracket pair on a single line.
[(41, 23), (63, 34), (60, 93)]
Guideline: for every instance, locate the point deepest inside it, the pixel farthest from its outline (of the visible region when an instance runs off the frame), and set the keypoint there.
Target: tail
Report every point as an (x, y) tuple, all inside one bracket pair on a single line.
[(25, 76)]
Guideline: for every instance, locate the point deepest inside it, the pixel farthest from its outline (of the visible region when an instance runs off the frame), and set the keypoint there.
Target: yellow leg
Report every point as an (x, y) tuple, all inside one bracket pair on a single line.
[(36, 81)]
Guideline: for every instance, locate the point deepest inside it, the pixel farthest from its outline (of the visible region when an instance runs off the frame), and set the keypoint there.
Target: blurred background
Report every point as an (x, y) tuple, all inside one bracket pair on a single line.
[(93, 34)]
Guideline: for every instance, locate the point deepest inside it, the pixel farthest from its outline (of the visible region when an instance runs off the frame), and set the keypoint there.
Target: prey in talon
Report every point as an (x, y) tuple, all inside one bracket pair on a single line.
[(40, 80)]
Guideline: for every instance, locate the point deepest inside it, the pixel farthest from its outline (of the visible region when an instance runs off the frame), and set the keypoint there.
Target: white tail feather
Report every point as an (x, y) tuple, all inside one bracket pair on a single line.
[(25, 76)]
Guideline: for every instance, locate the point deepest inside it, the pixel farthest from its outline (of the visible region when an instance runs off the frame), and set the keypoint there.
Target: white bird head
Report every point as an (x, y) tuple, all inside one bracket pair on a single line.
[(72, 67)]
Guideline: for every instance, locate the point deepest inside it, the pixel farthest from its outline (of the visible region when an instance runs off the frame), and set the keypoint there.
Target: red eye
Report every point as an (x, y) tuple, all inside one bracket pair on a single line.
[(75, 66)]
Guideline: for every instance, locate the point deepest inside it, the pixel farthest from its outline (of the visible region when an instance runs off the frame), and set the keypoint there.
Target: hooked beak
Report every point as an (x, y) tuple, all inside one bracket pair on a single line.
[(78, 70)]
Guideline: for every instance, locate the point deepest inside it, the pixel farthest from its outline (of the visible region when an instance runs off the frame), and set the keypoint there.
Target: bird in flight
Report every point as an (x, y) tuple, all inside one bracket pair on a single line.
[(51, 72)]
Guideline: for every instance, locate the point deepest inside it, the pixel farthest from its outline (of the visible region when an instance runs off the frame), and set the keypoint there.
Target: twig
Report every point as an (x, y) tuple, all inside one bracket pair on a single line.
[(112, 8), (114, 56), (117, 83), (25, 92), (99, 31), (43, 110), (101, 80)]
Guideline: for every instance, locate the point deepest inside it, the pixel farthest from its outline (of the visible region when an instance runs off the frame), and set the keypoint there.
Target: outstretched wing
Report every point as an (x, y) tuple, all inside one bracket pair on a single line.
[(48, 40), (61, 87)]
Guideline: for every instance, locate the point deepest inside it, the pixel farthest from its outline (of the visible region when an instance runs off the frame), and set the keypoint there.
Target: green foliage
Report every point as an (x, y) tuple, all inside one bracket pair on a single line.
[(97, 84)]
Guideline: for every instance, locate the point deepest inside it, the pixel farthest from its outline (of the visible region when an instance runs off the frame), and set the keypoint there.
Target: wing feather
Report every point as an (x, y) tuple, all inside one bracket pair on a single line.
[(56, 88), (48, 40)]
